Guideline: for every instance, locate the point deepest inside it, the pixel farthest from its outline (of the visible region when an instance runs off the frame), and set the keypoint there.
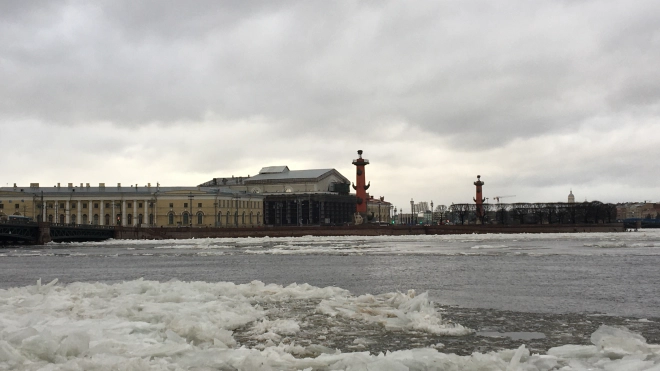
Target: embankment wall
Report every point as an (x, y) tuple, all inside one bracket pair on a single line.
[(138, 233)]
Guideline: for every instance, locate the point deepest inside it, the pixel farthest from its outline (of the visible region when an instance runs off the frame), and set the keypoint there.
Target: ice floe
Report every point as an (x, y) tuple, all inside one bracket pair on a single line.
[(149, 325)]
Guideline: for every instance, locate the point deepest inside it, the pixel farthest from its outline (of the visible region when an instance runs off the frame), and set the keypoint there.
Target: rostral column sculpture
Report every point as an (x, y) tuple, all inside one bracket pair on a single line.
[(479, 200), (361, 187)]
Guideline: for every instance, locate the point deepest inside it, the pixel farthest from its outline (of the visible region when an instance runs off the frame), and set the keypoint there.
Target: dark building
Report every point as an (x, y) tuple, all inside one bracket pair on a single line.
[(296, 197)]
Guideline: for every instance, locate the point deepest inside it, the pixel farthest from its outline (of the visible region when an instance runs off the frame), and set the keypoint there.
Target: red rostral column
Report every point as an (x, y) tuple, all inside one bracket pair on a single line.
[(479, 200), (361, 187)]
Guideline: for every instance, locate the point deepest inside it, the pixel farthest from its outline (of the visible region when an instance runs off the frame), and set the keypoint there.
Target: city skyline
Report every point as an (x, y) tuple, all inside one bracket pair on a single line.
[(538, 98)]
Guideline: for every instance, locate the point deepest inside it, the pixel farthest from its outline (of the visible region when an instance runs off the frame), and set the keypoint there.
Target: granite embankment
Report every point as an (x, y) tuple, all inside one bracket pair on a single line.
[(364, 230)]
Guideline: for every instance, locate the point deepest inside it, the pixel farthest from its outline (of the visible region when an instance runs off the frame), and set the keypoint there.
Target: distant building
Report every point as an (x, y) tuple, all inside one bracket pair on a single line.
[(133, 205), (571, 198), (296, 197), (637, 210), (378, 210)]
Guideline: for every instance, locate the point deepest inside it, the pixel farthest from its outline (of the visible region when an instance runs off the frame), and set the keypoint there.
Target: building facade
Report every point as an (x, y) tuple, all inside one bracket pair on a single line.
[(133, 205), (648, 210), (378, 210), (296, 197)]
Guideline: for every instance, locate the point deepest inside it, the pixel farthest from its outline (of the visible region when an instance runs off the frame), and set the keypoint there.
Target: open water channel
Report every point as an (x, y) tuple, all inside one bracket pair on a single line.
[(543, 291)]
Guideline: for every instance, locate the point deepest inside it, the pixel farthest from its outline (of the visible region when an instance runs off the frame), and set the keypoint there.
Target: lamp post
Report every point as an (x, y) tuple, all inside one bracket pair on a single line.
[(431, 212), (412, 211)]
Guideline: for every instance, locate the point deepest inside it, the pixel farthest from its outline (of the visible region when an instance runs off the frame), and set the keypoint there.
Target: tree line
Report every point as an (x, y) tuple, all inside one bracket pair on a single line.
[(531, 213)]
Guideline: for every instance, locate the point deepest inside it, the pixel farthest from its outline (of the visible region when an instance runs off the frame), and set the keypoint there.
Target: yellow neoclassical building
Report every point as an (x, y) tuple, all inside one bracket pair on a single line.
[(133, 205)]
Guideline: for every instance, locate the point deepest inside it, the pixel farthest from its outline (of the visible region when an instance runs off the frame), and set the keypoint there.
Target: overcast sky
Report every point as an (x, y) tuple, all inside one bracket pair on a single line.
[(537, 97)]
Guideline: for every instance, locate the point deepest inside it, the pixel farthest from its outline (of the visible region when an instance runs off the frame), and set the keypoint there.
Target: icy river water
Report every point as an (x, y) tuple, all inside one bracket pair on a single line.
[(464, 302)]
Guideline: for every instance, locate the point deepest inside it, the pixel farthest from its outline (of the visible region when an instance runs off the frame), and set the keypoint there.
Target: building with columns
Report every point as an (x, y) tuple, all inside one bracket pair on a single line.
[(296, 197), (133, 205)]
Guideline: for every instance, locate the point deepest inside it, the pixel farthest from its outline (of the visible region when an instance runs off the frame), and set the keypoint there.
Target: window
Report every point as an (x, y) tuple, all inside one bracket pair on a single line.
[(96, 219), (107, 205), (96, 205), (2, 206), (84, 206), (186, 220), (107, 219), (185, 204), (171, 205), (73, 205), (129, 205), (140, 204), (130, 219), (62, 206), (199, 204), (151, 219), (17, 206), (170, 218), (140, 219), (200, 218), (84, 219)]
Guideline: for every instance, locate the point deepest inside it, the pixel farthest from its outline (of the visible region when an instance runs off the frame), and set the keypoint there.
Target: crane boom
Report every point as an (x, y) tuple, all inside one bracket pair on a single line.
[(497, 198)]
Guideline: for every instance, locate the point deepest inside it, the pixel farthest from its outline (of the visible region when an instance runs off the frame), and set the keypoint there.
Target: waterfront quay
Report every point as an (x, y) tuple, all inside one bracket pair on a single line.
[(41, 233), (353, 230)]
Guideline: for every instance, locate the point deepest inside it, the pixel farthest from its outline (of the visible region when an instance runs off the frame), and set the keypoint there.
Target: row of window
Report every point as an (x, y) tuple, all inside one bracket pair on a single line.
[(227, 203), (228, 218), (185, 218), (16, 206), (224, 203)]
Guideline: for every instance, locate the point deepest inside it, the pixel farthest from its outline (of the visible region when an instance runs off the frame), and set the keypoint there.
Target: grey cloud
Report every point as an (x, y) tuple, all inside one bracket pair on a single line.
[(316, 80), (505, 71)]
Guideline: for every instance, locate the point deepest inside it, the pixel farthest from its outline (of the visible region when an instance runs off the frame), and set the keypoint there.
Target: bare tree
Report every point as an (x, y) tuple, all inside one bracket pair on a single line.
[(461, 211), (440, 211), (485, 208), (502, 214), (520, 211), (539, 211), (551, 211)]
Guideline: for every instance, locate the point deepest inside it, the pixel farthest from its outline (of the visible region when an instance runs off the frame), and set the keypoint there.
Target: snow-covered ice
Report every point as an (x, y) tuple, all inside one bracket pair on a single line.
[(175, 325), (644, 243)]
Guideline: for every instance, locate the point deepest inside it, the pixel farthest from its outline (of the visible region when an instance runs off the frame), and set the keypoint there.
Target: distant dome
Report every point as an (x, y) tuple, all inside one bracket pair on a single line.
[(571, 198)]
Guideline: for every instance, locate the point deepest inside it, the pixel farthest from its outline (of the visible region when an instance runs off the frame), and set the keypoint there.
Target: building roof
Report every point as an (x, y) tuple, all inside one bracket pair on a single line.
[(123, 191), (273, 169), (277, 174), (311, 175)]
